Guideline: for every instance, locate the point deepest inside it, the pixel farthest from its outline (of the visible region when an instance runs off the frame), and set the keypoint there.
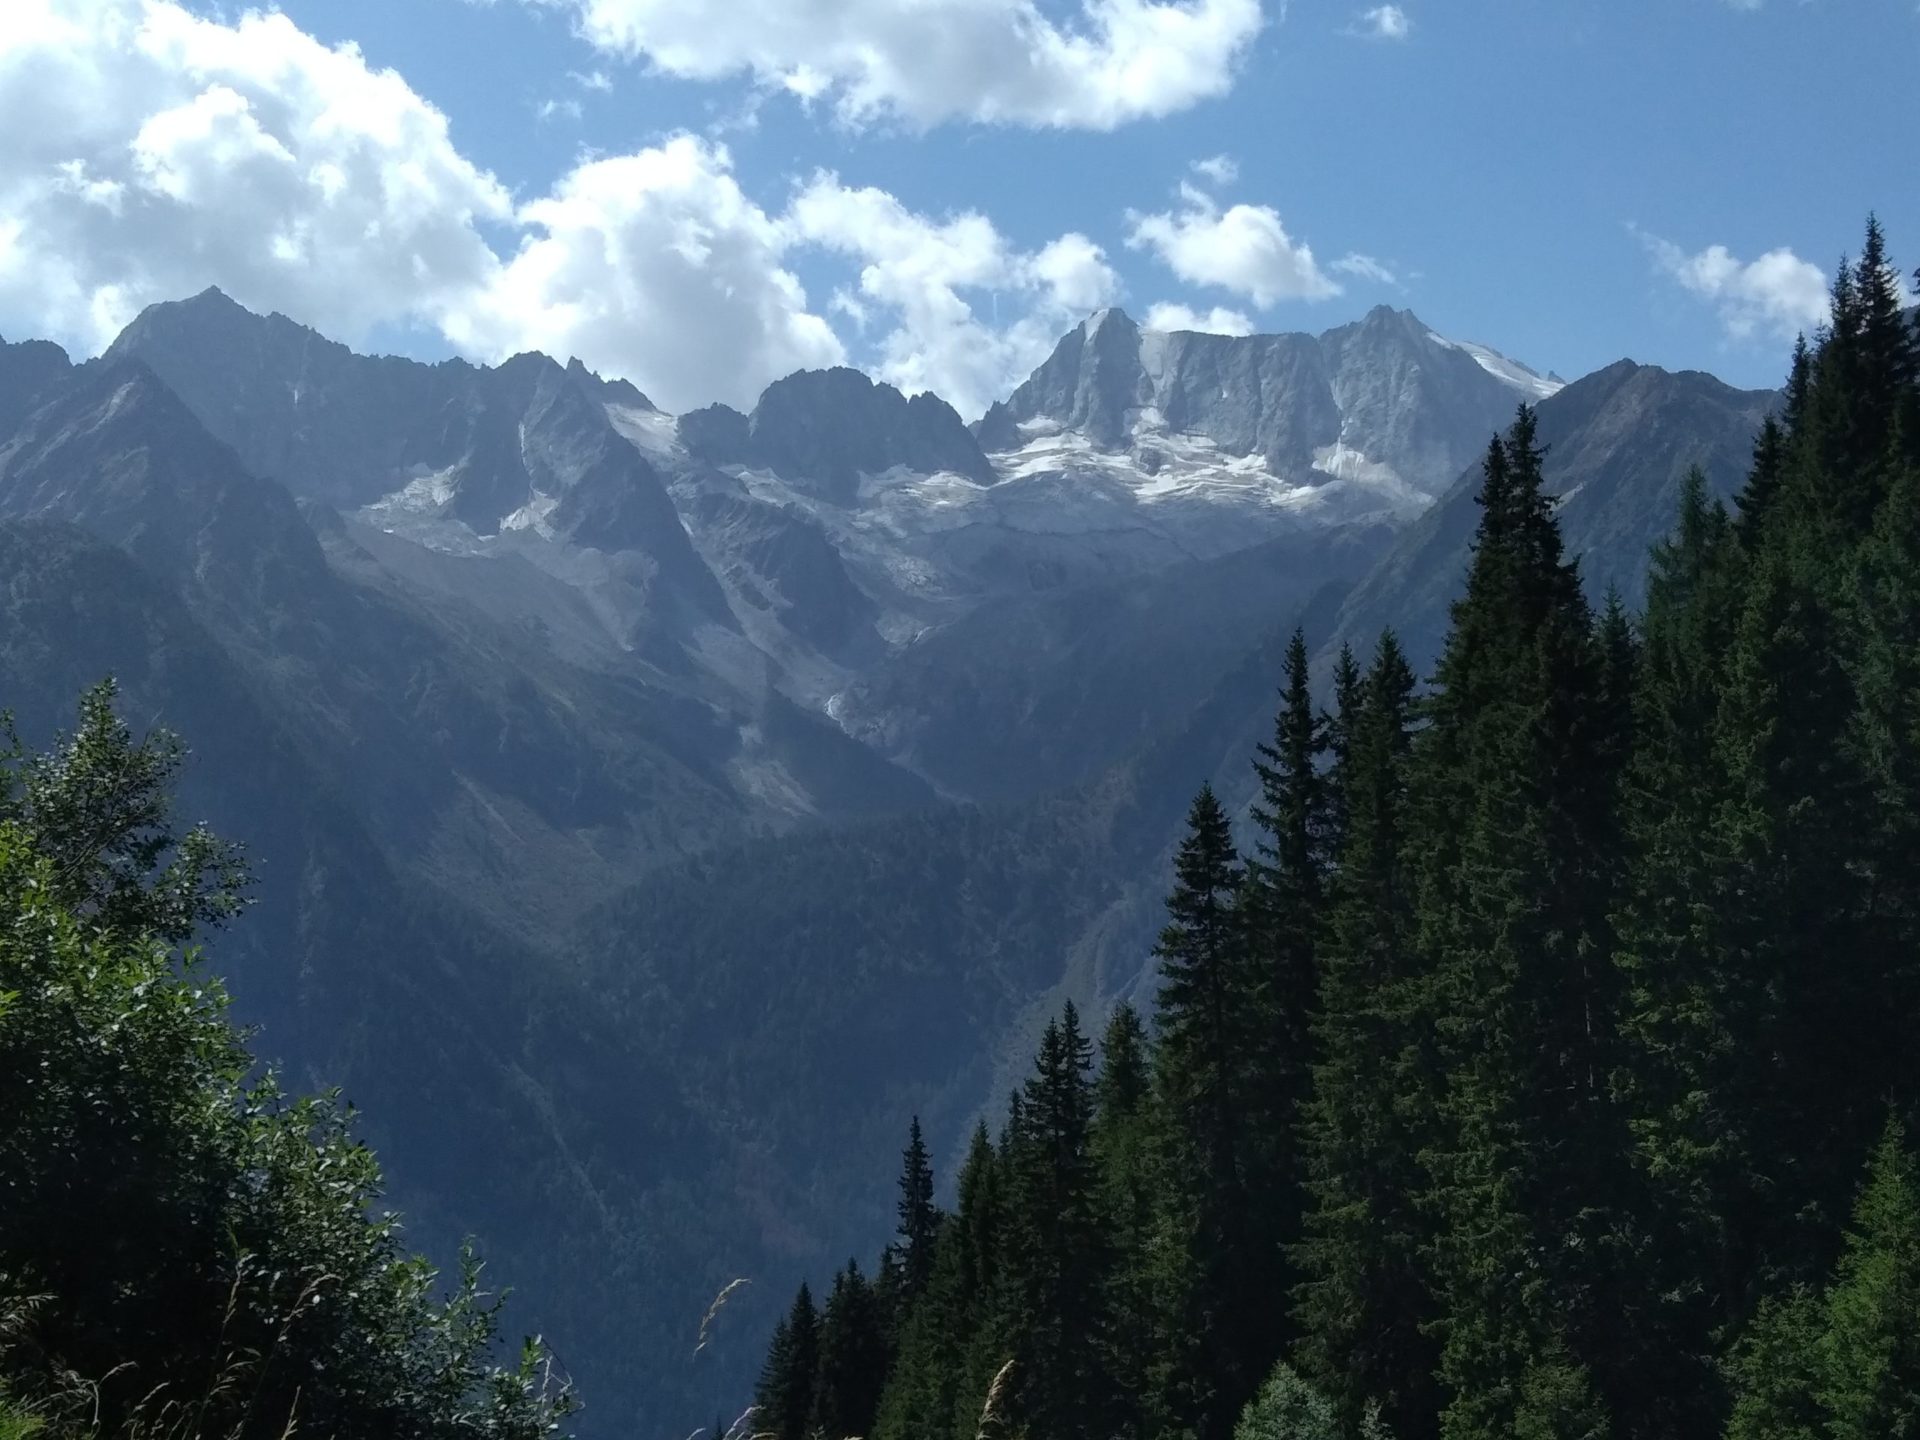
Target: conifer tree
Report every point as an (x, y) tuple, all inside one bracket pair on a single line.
[(1362, 1304), (783, 1403), (1845, 1364), (1055, 1257), (919, 1219), (950, 1326), (1519, 859), (1211, 1044), (1284, 893), (853, 1359), (1124, 1149)]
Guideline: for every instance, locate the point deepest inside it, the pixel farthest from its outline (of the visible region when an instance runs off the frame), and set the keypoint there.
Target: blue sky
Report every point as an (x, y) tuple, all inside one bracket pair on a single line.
[(701, 194)]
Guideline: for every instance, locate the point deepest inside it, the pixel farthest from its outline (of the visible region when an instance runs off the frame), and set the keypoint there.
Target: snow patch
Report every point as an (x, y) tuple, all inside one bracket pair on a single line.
[(1522, 378), (652, 432)]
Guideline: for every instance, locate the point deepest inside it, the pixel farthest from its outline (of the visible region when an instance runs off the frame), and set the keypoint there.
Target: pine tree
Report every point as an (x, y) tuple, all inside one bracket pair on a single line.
[(1679, 1060), (1348, 702), (1056, 1252), (783, 1403), (919, 1219), (946, 1332), (1362, 1305), (1284, 893), (1519, 857), (1766, 475), (1124, 1148), (853, 1359), (1845, 1364), (1211, 1042)]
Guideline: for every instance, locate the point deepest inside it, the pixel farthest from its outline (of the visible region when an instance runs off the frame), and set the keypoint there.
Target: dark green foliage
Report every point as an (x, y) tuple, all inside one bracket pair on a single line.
[(1362, 1306), (1526, 1061), (1517, 863), (853, 1358), (1125, 1153), (183, 1247), (1845, 1364), (783, 1403), (919, 1220), (1055, 1260)]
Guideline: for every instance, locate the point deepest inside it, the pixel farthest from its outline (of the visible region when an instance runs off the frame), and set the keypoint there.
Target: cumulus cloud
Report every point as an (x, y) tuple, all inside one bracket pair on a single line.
[(1168, 315), (930, 276), (1383, 22), (1778, 294), (656, 266), (146, 152), (1244, 248), (1218, 169), (995, 61)]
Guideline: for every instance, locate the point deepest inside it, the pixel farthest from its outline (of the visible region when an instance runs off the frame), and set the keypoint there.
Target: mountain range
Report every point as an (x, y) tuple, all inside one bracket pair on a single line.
[(652, 812)]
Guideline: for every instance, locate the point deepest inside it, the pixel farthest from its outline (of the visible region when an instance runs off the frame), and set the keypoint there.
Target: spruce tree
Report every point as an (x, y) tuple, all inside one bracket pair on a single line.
[(1207, 1063), (783, 1402), (1361, 1305), (1124, 1148), (952, 1325), (919, 1219), (1055, 1257), (1844, 1363), (1519, 855), (1679, 1054), (1284, 893), (852, 1359)]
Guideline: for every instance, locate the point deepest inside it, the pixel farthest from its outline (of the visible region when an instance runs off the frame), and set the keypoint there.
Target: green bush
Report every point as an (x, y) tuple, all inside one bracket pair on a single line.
[(185, 1251)]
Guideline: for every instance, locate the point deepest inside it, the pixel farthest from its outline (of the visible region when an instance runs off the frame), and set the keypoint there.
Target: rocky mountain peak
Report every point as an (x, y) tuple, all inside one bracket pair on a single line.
[(825, 429)]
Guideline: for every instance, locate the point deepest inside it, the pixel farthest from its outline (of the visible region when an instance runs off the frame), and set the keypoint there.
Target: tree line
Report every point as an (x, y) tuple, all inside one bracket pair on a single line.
[(1544, 1067)]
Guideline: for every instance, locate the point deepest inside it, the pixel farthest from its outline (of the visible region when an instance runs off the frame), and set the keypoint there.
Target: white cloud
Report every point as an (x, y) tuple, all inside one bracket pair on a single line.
[(1220, 169), (929, 61), (553, 109), (1384, 22), (930, 275), (1778, 294), (1365, 267), (146, 153), (1218, 321), (1244, 249), (655, 266)]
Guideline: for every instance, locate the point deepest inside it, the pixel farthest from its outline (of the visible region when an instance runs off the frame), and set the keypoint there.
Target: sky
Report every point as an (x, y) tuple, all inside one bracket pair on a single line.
[(703, 195)]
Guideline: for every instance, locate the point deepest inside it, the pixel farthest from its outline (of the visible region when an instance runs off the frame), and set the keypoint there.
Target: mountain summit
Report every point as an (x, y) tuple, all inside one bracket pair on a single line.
[(1384, 400)]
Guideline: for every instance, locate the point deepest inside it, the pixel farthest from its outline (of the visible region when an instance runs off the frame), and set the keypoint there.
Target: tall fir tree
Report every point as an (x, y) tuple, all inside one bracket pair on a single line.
[(919, 1218), (1362, 1304), (783, 1402), (853, 1359), (1056, 1255), (1283, 904), (1519, 857), (1844, 1363), (1125, 1149), (1212, 1042)]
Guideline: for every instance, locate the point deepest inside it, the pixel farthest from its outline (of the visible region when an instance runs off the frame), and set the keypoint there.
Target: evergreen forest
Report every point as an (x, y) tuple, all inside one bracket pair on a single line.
[(1539, 1062)]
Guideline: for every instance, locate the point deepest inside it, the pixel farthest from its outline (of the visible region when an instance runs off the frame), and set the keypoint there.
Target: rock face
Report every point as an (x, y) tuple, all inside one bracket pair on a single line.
[(824, 429), (525, 446), (1384, 398), (1619, 443)]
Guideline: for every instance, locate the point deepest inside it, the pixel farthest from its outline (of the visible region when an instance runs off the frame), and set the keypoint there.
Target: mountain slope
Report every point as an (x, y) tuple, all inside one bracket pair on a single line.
[(1619, 442)]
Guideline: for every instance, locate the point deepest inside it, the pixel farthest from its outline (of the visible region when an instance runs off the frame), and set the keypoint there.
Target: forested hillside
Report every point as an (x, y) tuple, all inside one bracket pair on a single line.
[(1544, 1068)]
